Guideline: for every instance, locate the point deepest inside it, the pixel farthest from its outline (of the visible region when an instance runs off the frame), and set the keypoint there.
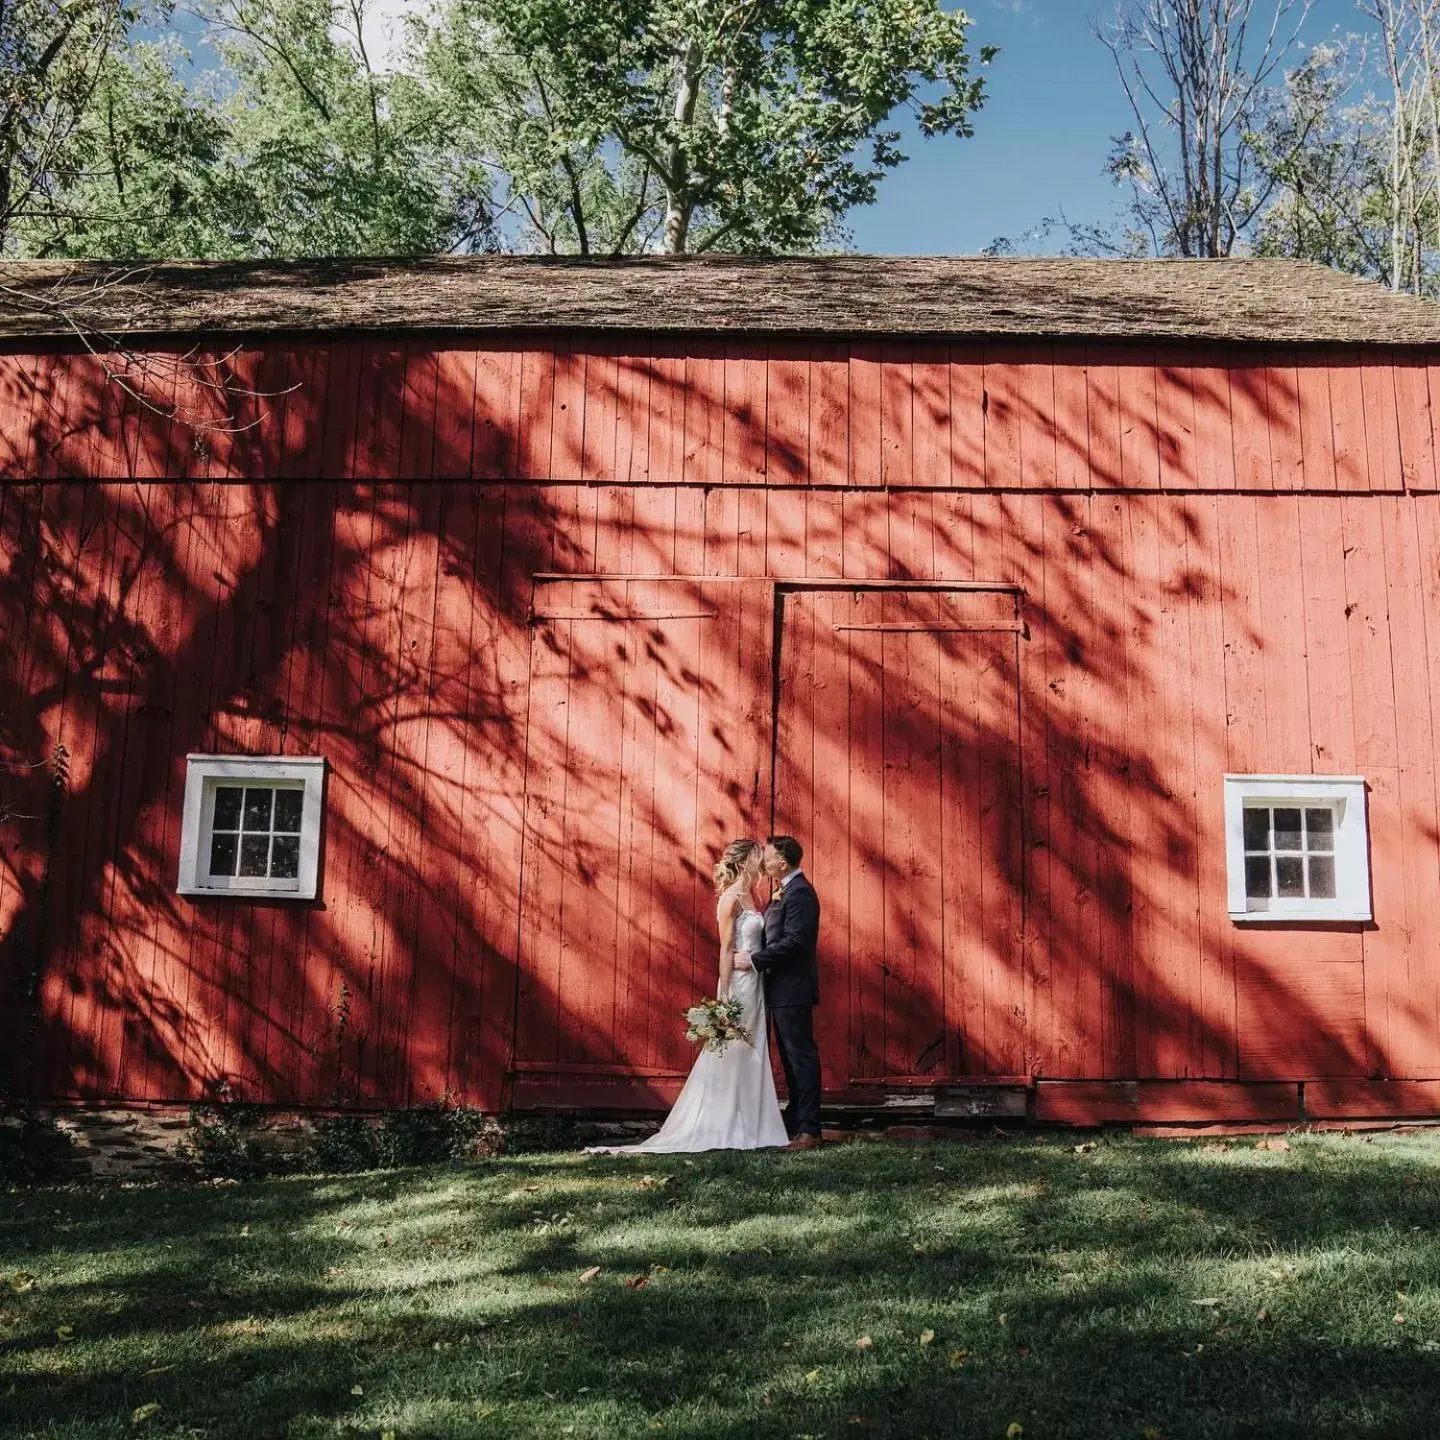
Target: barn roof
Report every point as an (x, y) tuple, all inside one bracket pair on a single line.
[(1266, 301)]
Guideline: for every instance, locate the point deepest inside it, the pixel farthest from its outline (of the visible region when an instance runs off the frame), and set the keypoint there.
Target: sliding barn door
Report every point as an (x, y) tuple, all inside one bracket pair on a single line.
[(647, 749), (898, 766)]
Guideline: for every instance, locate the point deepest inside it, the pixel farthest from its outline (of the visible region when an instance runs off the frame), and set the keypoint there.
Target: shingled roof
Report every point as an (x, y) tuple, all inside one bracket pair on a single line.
[(1266, 301)]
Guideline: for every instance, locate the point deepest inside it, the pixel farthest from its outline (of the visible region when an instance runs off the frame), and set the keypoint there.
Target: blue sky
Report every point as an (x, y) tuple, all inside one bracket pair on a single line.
[(1040, 142)]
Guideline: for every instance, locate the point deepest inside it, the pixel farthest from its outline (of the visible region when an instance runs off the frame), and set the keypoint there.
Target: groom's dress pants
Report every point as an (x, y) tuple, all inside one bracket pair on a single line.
[(795, 1038)]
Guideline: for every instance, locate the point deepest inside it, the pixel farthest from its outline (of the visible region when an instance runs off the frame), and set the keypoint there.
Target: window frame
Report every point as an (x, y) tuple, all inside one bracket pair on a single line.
[(204, 774), (1346, 796)]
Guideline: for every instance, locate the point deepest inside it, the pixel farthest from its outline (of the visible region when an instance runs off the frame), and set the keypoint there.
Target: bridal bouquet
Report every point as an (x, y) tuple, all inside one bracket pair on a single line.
[(715, 1023)]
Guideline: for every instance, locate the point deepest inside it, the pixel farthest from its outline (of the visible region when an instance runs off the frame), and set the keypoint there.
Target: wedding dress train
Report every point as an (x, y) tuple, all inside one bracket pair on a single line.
[(729, 1100)]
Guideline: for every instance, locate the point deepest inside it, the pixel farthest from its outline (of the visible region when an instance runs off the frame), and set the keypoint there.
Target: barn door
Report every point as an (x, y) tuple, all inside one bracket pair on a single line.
[(648, 747), (898, 764)]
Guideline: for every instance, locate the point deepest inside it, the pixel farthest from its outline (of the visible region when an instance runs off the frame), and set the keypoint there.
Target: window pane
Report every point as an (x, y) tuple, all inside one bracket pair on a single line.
[(227, 807), (1287, 830), (257, 809), (1257, 828), (255, 855), (288, 804), (1322, 877), (1320, 829), (285, 858), (1257, 877), (222, 854), (1289, 876)]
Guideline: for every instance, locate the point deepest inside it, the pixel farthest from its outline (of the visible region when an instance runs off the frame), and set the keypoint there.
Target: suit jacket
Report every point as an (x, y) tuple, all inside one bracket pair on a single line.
[(787, 962)]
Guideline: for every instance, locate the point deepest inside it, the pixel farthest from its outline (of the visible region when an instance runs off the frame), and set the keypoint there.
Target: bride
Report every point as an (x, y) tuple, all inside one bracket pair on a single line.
[(728, 1102)]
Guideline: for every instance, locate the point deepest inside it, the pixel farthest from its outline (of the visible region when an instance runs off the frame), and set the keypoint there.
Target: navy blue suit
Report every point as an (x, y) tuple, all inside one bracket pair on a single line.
[(790, 969)]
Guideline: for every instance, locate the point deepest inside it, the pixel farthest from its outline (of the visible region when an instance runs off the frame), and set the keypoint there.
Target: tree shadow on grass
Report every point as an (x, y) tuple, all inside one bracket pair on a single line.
[(1061, 1289)]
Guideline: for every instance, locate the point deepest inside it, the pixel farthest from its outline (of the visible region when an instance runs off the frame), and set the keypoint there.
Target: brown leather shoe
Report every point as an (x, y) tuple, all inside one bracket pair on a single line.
[(805, 1142)]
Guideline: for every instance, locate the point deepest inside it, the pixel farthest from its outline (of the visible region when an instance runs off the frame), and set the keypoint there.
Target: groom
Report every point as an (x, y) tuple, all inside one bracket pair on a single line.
[(792, 984)]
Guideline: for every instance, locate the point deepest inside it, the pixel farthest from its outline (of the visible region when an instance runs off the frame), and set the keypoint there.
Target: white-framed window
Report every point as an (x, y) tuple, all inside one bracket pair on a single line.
[(251, 826), (1297, 847)]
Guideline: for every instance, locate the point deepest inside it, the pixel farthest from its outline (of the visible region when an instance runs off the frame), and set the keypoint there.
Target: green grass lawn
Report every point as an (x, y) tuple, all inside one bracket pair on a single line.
[(1129, 1289)]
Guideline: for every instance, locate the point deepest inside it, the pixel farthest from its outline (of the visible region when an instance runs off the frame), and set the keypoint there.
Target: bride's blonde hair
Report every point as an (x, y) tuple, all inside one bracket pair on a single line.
[(732, 862)]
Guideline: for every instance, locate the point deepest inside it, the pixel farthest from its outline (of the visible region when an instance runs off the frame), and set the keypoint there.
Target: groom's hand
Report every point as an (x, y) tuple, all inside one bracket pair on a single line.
[(742, 960)]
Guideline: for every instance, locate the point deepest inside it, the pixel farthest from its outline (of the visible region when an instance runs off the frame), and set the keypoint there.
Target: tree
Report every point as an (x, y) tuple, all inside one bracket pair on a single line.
[(53, 54), (1197, 75), (290, 146), (684, 125), (1324, 147), (1407, 31), (1353, 149)]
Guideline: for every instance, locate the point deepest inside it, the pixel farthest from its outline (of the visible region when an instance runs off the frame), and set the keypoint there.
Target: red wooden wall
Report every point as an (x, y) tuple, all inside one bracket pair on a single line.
[(1076, 585)]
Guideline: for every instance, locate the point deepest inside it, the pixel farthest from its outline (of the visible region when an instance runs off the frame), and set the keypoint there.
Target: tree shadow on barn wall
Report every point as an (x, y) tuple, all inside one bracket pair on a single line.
[(251, 576)]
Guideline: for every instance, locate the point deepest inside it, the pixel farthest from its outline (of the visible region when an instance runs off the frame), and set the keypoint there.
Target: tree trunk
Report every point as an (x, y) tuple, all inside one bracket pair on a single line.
[(1432, 103), (679, 206)]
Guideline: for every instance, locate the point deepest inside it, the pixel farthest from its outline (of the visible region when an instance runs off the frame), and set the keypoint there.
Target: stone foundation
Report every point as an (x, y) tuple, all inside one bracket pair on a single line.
[(145, 1142), (129, 1144)]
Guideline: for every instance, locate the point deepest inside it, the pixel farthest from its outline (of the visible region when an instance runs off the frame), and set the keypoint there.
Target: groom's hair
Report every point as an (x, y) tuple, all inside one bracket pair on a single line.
[(790, 848)]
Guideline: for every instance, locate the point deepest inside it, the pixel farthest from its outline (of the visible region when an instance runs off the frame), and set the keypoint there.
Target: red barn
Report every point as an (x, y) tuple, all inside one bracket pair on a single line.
[(389, 648)]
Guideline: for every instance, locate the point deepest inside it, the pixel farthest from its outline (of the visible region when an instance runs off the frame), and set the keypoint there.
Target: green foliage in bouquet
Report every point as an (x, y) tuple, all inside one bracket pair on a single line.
[(715, 1023)]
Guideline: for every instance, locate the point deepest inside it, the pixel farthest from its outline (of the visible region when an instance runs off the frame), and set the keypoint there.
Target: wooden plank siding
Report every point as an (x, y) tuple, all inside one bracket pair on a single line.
[(526, 599)]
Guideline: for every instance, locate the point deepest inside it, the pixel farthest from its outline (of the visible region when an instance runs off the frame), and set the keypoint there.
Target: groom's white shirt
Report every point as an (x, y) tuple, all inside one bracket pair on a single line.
[(786, 879)]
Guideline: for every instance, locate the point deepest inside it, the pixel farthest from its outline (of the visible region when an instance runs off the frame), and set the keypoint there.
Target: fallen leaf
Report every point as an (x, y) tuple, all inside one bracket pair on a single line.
[(141, 1413), (586, 1276), (636, 1281), (244, 1232), (1084, 1149), (333, 1271), (22, 1282), (1014, 1430), (958, 1358), (357, 1389), (926, 1336), (65, 1332), (1263, 1315), (864, 1343), (1003, 1317), (1399, 1319), (1208, 1300), (158, 1370), (812, 1376), (918, 1249), (1276, 1142), (1400, 1297)]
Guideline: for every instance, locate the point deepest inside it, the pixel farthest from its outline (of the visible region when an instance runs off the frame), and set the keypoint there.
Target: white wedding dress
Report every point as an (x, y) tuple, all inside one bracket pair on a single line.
[(729, 1100)]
